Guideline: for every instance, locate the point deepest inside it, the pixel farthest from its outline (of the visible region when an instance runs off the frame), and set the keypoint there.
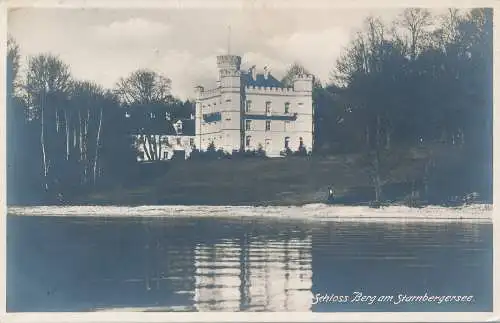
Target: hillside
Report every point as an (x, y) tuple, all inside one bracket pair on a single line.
[(281, 181)]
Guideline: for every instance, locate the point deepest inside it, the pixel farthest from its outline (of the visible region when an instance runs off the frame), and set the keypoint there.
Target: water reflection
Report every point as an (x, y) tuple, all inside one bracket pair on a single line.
[(217, 277), (57, 264), (254, 275)]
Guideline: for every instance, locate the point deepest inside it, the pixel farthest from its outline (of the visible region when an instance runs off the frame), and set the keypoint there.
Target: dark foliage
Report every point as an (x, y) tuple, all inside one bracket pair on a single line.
[(389, 91)]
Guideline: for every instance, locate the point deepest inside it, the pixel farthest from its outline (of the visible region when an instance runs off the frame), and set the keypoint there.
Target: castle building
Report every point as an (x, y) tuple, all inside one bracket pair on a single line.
[(247, 110)]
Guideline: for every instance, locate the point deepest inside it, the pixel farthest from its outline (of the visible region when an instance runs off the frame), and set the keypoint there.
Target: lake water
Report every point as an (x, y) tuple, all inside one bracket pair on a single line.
[(207, 264)]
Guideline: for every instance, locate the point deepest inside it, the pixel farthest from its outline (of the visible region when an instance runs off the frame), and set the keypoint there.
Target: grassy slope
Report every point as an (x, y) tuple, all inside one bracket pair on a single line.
[(250, 181)]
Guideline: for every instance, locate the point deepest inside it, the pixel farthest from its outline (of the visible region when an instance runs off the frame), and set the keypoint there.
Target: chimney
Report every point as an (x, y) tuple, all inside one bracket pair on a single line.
[(198, 89), (253, 72), (266, 72)]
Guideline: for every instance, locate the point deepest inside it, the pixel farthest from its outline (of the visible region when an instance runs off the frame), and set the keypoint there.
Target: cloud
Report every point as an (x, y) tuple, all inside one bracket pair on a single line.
[(277, 66), (317, 51), (133, 28), (186, 71)]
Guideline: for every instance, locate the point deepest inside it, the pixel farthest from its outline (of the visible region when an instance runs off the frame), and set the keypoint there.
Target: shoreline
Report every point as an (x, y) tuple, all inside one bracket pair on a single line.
[(309, 212)]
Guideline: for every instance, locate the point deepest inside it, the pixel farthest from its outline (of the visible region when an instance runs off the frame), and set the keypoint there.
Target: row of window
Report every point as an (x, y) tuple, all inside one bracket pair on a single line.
[(179, 142), (214, 104), (249, 107), (248, 141), (248, 125)]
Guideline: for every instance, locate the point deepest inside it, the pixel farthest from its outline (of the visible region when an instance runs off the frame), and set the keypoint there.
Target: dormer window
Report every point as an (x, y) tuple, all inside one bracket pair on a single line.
[(178, 127), (152, 115)]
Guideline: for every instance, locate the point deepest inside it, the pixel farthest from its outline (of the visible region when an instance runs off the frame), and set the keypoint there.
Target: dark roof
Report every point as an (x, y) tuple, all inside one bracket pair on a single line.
[(188, 127), (139, 119), (261, 81)]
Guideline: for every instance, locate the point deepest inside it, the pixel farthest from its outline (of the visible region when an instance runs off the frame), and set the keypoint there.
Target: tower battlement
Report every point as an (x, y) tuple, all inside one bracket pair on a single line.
[(304, 77), (232, 62), (268, 90), (225, 72)]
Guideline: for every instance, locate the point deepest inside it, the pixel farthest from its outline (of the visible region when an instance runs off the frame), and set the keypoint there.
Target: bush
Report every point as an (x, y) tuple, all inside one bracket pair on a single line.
[(286, 152), (302, 151), (260, 152)]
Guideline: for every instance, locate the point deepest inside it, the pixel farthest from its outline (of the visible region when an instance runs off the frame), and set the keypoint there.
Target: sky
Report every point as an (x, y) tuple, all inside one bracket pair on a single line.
[(105, 44)]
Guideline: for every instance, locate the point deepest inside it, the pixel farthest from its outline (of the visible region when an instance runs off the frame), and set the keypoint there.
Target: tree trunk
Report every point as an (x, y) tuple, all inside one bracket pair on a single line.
[(156, 147), (145, 146), (376, 163), (388, 139), (42, 142), (159, 147), (150, 146), (98, 139), (154, 154), (80, 133), (66, 121), (85, 147), (57, 120)]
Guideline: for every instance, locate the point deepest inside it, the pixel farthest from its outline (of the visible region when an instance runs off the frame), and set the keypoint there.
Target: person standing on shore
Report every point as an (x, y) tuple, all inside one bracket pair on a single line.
[(331, 194)]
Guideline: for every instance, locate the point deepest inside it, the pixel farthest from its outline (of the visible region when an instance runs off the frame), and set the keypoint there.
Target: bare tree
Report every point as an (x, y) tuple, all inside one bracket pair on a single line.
[(13, 59), (144, 87), (89, 100), (415, 23), (47, 82)]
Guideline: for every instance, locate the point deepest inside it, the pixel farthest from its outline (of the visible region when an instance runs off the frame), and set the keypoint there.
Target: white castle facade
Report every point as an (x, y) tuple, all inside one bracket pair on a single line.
[(248, 111)]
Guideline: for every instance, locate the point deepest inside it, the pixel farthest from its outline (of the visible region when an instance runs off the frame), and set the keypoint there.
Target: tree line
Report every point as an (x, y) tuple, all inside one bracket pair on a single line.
[(66, 135), (416, 81)]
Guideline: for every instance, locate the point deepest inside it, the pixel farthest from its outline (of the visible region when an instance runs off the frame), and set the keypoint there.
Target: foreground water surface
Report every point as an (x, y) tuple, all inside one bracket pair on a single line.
[(207, 264)]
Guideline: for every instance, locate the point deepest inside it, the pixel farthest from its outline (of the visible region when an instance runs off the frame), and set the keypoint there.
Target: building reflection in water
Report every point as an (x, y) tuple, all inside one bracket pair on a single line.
[(252, 275)]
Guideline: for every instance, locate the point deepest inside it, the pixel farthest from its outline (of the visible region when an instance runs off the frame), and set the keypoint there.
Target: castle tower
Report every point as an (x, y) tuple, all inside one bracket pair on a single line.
[(230, 107), (303, 86), (303, 83)]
